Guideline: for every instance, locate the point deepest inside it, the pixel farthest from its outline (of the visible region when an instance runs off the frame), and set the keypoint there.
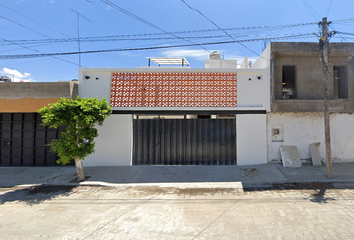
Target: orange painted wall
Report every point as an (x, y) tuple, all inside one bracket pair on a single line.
[(24, 104)]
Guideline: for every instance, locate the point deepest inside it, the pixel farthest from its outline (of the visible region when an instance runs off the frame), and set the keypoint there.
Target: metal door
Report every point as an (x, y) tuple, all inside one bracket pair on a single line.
[(184, 142), (23, 140)]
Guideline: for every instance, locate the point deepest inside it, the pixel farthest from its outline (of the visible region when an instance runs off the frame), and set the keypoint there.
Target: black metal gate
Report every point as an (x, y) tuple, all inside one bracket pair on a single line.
[(184, 142), (23, 140)]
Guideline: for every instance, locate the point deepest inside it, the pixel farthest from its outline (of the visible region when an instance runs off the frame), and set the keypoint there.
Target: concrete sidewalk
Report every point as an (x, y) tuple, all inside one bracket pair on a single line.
[(176, 176)]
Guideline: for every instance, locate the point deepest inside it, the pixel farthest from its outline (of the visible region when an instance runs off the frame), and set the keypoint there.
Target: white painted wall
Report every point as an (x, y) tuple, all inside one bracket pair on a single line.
[(263, 62), (98, 85), (250, 94), (302, 129), (220, 63), (249, 89), (251, 139), (114, 143)]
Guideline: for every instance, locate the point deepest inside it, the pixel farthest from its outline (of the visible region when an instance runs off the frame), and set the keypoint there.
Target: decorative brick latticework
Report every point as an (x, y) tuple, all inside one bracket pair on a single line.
[(175, 89)]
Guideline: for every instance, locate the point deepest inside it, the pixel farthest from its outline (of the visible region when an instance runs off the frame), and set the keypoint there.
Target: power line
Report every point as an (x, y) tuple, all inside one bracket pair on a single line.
[(41, 53), (222, 29), (27, 47), (147, 48), (115, 6), (312, 11), (150, 36), (44, 26), (344, 20), (329, 7), (24, 26), (33, 20), (48, 41)]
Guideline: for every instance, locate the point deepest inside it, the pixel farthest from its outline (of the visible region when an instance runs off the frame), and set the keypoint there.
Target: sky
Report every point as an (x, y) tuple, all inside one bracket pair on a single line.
[(138, 29)]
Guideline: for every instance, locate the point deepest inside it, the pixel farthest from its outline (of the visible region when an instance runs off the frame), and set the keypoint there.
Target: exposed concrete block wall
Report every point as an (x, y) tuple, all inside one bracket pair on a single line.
[(30, 97), (302, 129), (309, 77)]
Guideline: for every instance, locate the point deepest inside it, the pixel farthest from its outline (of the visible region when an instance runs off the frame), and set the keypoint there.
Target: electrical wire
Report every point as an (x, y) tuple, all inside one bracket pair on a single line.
[(151, 36), (329, 7), (48, 41), (48, 28), (115, 6), (312, 11), (147, 48), (39, 52), (223, 30)]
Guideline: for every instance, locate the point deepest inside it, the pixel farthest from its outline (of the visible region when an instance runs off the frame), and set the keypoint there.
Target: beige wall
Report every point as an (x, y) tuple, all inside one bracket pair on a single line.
[(32, 96), (24, 104)]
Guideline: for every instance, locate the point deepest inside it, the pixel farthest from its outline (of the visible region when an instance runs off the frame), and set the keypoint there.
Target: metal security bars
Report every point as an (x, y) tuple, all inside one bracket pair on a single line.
[(184, 142), (23, 140)]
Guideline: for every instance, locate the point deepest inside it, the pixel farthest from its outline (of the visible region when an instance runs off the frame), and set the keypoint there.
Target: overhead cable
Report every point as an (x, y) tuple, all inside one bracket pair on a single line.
[(147, 48), (46, 27), (115, 6), (223, 30)]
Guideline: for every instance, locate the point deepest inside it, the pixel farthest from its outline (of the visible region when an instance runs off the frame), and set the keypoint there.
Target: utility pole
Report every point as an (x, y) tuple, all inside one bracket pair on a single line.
[(324, 52)]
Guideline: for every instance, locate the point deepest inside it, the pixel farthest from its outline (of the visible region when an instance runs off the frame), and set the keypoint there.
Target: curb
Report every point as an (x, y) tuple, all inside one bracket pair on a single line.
[(184, 185)]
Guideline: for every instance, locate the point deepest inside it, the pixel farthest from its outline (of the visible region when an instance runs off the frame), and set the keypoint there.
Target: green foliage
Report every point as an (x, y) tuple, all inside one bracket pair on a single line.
[(80, 116)]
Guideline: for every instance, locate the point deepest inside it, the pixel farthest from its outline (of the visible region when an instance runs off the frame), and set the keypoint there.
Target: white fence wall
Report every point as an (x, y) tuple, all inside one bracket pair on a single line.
[(251, 140), (302, 129), (113, 145)]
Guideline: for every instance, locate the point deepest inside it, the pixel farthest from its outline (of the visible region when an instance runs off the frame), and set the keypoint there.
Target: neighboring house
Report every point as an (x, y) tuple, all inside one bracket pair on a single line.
[(22, 137), (180, 115), (296, 111)]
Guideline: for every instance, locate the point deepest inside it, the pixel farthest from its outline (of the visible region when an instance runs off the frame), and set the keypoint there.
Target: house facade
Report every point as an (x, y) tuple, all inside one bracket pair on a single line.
[(296, 99), (23, 138), (181, 116)]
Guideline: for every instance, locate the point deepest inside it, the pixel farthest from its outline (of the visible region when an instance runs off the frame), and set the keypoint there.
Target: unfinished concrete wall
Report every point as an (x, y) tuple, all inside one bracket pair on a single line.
[(30, 97), (16, 90), (309, 77), (302, 129)]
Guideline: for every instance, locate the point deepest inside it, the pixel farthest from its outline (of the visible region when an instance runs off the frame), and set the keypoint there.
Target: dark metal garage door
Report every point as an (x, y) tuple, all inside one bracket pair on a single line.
[(184, 142), (23, 140)]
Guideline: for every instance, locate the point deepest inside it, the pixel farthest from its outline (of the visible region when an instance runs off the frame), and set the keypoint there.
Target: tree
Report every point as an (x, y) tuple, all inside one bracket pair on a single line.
[(80, 116)]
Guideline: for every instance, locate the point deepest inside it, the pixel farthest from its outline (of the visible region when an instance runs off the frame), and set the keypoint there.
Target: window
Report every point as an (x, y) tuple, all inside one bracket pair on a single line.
[(340, 81), (289, 82)]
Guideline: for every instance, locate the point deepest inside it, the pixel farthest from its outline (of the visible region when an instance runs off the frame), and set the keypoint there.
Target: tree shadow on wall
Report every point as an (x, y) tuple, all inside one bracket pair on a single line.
[(35, 195)]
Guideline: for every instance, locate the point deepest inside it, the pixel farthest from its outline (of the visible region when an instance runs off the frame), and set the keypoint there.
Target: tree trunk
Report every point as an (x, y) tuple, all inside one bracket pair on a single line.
[(79, 170)]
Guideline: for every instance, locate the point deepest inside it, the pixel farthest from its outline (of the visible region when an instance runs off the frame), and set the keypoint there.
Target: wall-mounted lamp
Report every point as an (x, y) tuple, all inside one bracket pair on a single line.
[(87, 77), (259, 77), (97, 78), (249, 79)]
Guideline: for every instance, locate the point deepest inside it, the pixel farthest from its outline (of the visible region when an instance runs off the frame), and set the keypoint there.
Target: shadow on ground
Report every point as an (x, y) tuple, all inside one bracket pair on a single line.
[(35, 195), (317, 190)]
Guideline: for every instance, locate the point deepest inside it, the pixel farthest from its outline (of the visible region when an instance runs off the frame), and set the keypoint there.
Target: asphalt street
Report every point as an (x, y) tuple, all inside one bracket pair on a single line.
[(283, 211)]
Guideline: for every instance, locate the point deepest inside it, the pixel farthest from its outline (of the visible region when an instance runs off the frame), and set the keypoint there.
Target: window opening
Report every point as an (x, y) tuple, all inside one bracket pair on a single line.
[(289, 82), (340, 81)]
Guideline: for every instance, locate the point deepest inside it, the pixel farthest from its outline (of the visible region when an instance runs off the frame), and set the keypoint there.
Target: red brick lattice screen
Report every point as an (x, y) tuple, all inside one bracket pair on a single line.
[(134, 89)]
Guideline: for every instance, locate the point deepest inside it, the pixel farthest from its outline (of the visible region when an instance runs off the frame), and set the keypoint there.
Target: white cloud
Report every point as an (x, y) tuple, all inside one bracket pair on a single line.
[(20, 1), (107, 8), (16, 75), (196, 54)]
